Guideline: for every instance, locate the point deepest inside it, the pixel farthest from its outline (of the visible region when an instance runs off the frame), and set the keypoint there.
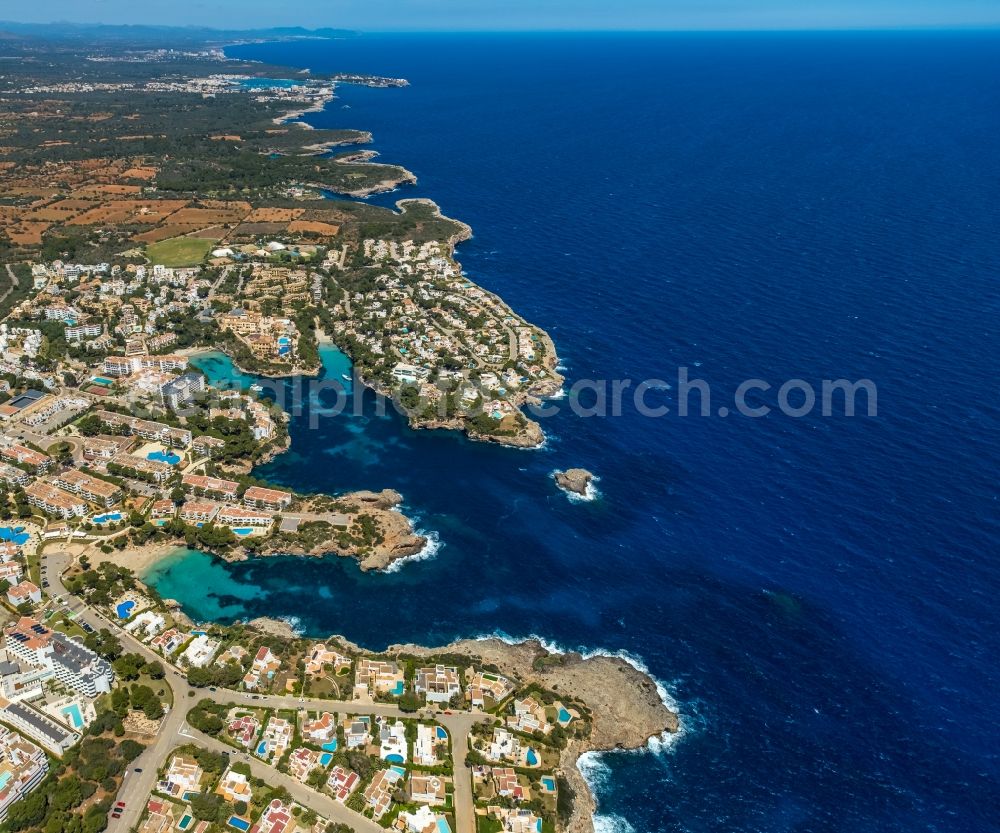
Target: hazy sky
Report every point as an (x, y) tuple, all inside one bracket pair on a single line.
[(387, 15)]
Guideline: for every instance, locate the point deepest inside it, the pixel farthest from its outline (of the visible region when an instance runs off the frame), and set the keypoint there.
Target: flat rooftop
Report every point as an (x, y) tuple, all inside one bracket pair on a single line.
[(23, 400)]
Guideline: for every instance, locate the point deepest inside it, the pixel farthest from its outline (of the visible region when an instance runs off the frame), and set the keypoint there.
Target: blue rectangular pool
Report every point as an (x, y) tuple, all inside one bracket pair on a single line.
[(238, 823)]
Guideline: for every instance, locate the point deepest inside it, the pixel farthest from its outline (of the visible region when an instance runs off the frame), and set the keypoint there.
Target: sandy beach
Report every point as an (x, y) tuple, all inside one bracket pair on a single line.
[(137, 559)]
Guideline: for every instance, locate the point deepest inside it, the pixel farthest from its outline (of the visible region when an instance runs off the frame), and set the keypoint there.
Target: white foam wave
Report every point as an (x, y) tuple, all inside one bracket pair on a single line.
[(658, 744), (544, 444), (427, 552), (593, 769), (592, 765), (596, 773), (295, 623), (611, 824), (590, 493)]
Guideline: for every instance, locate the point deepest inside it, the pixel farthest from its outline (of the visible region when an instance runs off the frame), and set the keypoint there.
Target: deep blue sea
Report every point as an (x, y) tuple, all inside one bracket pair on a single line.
[(818, 594)]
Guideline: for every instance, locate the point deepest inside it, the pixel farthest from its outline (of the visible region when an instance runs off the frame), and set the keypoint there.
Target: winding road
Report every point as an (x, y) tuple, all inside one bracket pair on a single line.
[(174, 730)]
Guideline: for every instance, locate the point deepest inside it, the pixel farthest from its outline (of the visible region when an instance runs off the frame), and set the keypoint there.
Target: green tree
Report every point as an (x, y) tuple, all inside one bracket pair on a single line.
[(130, 750), (27, 812), (129, 666)]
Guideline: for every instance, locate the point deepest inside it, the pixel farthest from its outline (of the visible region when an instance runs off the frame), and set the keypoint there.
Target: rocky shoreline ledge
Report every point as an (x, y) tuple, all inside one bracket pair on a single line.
[(399, 540), (397, 537), (626, 705)]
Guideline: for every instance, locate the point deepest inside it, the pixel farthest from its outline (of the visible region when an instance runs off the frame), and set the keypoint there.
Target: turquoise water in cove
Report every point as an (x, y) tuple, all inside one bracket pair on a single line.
[(817, 594)]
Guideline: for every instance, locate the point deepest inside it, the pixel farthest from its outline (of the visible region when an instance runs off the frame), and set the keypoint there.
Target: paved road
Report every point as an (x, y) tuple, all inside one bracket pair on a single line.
[(458, 725), (321, 803), (223, 274), (13, 282), (175, 732), (137, 785)]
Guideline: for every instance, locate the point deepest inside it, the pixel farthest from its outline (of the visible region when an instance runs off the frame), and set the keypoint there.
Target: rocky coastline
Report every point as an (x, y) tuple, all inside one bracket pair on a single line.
[(625, 703), (363, 137), (530, 434)]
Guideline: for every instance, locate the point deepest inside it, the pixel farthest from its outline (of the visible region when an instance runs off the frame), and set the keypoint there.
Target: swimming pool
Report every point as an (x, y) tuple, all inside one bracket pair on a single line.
[(398, 770), (330, 745), (100, 380), (325, 758), (15, 534), (164, 457), (548, 784), (238, 823), (399, 688), (442, 824), (72, 711), (4, 778), (262, 749), (531, 757), (185, 822), (394, 759), (243, 530), (124, 609), (564, 716), (107, 517), (441, 733)]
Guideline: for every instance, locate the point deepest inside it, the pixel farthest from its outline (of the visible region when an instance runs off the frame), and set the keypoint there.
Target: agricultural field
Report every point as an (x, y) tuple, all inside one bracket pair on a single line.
[(179, 251)]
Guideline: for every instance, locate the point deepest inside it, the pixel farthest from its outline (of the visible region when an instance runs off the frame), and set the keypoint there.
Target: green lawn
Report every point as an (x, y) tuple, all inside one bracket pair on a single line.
[(179, 251)]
